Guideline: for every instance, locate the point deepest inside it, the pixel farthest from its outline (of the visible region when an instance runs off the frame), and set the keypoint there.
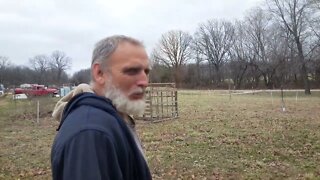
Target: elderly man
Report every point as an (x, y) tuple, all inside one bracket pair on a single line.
[(96, 138)]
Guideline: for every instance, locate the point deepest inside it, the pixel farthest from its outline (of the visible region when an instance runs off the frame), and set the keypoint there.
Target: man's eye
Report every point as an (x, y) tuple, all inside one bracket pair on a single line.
[(147, 71), (132, 71)]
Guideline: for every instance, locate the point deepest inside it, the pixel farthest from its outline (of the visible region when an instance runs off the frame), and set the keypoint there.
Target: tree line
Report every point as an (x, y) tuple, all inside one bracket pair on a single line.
[(43, 69), (276, 45)]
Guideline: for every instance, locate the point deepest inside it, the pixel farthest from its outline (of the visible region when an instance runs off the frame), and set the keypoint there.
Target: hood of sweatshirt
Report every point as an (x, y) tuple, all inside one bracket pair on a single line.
[(90, 99)]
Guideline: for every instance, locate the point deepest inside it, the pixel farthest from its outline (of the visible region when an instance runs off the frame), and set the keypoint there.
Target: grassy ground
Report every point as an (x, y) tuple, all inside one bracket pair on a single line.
[(216, 137), (25, 144)]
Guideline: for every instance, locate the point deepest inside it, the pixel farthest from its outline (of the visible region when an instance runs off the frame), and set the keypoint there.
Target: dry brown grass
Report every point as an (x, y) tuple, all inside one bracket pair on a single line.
[(215, 137), (245, 137)]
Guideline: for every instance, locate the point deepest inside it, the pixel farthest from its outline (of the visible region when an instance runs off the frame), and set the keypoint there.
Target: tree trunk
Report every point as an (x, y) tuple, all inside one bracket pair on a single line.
[(177, 76), (305, 80), (304, 72)]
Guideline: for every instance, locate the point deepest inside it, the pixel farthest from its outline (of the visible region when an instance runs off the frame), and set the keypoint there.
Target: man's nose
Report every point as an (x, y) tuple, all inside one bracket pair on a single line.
[(143, 80)]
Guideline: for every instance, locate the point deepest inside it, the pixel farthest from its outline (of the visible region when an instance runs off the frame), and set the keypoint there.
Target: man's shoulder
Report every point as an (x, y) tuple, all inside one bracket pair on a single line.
[(88, 121), (89, 117)]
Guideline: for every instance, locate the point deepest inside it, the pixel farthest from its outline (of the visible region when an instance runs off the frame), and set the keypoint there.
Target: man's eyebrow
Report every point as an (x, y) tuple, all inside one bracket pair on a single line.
[(138, 66), (133, 67), (136, 69)]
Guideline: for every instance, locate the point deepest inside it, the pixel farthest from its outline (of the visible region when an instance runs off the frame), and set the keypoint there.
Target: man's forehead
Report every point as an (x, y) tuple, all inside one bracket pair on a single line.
[(137, 62)]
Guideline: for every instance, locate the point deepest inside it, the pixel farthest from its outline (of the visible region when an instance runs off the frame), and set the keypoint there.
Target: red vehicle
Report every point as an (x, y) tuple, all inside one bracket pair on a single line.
[(35, 90)]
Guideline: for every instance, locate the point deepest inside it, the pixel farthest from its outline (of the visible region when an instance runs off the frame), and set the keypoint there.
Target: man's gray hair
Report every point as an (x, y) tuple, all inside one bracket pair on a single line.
[(105, 47)]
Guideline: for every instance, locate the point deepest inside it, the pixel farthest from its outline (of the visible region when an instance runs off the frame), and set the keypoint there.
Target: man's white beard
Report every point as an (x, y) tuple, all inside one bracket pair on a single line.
[(123, 103)]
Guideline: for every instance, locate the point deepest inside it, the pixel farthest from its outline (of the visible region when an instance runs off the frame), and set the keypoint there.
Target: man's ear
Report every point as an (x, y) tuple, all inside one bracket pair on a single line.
[(98, 74)]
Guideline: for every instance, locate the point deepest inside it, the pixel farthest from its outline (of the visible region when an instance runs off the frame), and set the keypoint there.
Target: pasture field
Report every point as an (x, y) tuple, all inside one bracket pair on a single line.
[(217, 136)]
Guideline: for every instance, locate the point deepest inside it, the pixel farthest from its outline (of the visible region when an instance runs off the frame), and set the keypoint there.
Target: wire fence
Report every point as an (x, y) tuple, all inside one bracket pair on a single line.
[(165, 103), (34, 108), (277, 98)]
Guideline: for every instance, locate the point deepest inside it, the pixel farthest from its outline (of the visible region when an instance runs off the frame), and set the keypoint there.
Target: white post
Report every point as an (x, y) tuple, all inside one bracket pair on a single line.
[(282, 101), (296, 96), (271, 97), (229, 90), (38, 111)]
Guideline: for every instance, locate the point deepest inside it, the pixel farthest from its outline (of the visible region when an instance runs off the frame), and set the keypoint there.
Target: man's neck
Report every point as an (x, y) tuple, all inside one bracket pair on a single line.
[(97, 89)]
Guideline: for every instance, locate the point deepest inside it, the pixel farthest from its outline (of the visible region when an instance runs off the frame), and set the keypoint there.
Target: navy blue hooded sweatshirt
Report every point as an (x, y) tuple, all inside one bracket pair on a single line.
[(93, 142)]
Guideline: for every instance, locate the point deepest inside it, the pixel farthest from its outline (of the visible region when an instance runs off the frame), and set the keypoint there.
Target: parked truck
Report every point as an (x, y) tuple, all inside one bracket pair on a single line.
[(36, 90)]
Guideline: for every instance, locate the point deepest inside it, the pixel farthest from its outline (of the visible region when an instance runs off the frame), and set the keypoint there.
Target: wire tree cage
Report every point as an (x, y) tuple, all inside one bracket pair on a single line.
[(162, 102)]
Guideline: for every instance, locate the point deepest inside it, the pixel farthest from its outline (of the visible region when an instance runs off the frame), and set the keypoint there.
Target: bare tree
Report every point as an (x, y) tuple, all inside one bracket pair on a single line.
[(293, 15), (260, 31), (59, 63), (317, 68), (214, 39), (173, 51), (315, 16), (315, 4), (196, 68), (40, 64), (4, 61), (17, 75), (280, 55), (240, 55), (4, 64), (160, 74), (82, 76)]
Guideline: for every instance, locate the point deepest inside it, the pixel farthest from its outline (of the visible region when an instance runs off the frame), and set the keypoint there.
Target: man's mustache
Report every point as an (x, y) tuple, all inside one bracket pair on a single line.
[(137, 91)]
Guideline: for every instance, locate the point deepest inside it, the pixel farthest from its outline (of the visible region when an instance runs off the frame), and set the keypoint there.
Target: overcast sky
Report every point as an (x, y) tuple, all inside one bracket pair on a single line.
[(33, 27)]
